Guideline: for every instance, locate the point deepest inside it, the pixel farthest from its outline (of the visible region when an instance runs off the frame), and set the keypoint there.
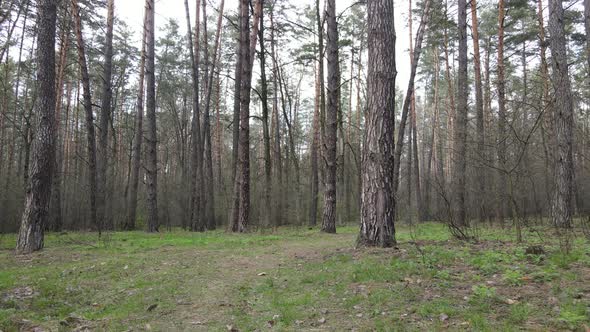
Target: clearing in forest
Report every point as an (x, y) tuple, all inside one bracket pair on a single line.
[(294, 279)]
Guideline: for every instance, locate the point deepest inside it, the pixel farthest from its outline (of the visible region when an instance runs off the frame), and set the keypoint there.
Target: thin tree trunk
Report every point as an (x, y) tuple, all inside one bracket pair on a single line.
[(138, 135), (313, 206), (208, 155), (151, 137), (55, 215), (30, 237), (329, 218), (242, 45), (196, 150), (501, 141), (587, 28), (266, 217), (481, 147), (399, 144), (460, 133), (279, 192), (91, 138), (103, 129)]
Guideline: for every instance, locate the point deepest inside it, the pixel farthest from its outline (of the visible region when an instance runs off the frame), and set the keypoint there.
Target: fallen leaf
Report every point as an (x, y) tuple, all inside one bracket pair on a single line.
[(511, 301), (261, 274), (322, 320)]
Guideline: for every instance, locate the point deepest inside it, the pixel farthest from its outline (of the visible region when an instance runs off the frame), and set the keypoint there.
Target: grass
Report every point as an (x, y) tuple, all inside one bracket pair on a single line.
[(293, 279)]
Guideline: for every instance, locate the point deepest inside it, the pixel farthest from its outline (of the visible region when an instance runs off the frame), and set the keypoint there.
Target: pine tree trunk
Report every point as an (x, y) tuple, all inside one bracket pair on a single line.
[(278, 165), (378, 196), (564, 119), (501, 86), (87, 98), (197, 223), (266, 213), (329, 218), (55, 215), (34, 218), (481, 147), (211, 218), (138, 136), (242, 182), (151, 137), (587, 28), (103, 128), (460, 133), (399, 144)]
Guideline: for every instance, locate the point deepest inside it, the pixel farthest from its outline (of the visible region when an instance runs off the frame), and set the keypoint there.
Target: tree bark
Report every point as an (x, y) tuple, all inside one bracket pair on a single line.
[(138, 135), (587, 28), (34, 218), (480, 126), (329, 218), (105, 113), (266, 213), (564, 119), (242, 183), (216, 53), (399, 144), (378, 196), (197, 223), (501, 141), (460, 133), (87, 98), (151, 137)]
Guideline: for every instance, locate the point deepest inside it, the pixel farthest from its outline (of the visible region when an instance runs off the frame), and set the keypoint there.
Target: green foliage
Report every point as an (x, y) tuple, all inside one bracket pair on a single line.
[(513, 277)]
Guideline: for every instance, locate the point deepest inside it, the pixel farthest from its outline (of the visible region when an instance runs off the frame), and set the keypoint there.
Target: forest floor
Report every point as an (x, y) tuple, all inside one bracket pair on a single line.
[(294, 279)]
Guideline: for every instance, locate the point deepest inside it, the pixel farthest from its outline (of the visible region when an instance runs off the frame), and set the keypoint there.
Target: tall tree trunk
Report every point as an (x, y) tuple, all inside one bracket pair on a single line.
[(587, 28), (378, 196), (266, 214), (501, 141), (208, 197), (151, 137), (451, 101), (90, 136), (212, 223), (460, 134), (242, 48), (481, 147), (329, 218), (315, 138), (242, 183), (278, 165), (196, 148), (564, 119), (399, 144), (138, 135), (414, 134), (55, 215), (30, 237), (547, 127), (103, 128)]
